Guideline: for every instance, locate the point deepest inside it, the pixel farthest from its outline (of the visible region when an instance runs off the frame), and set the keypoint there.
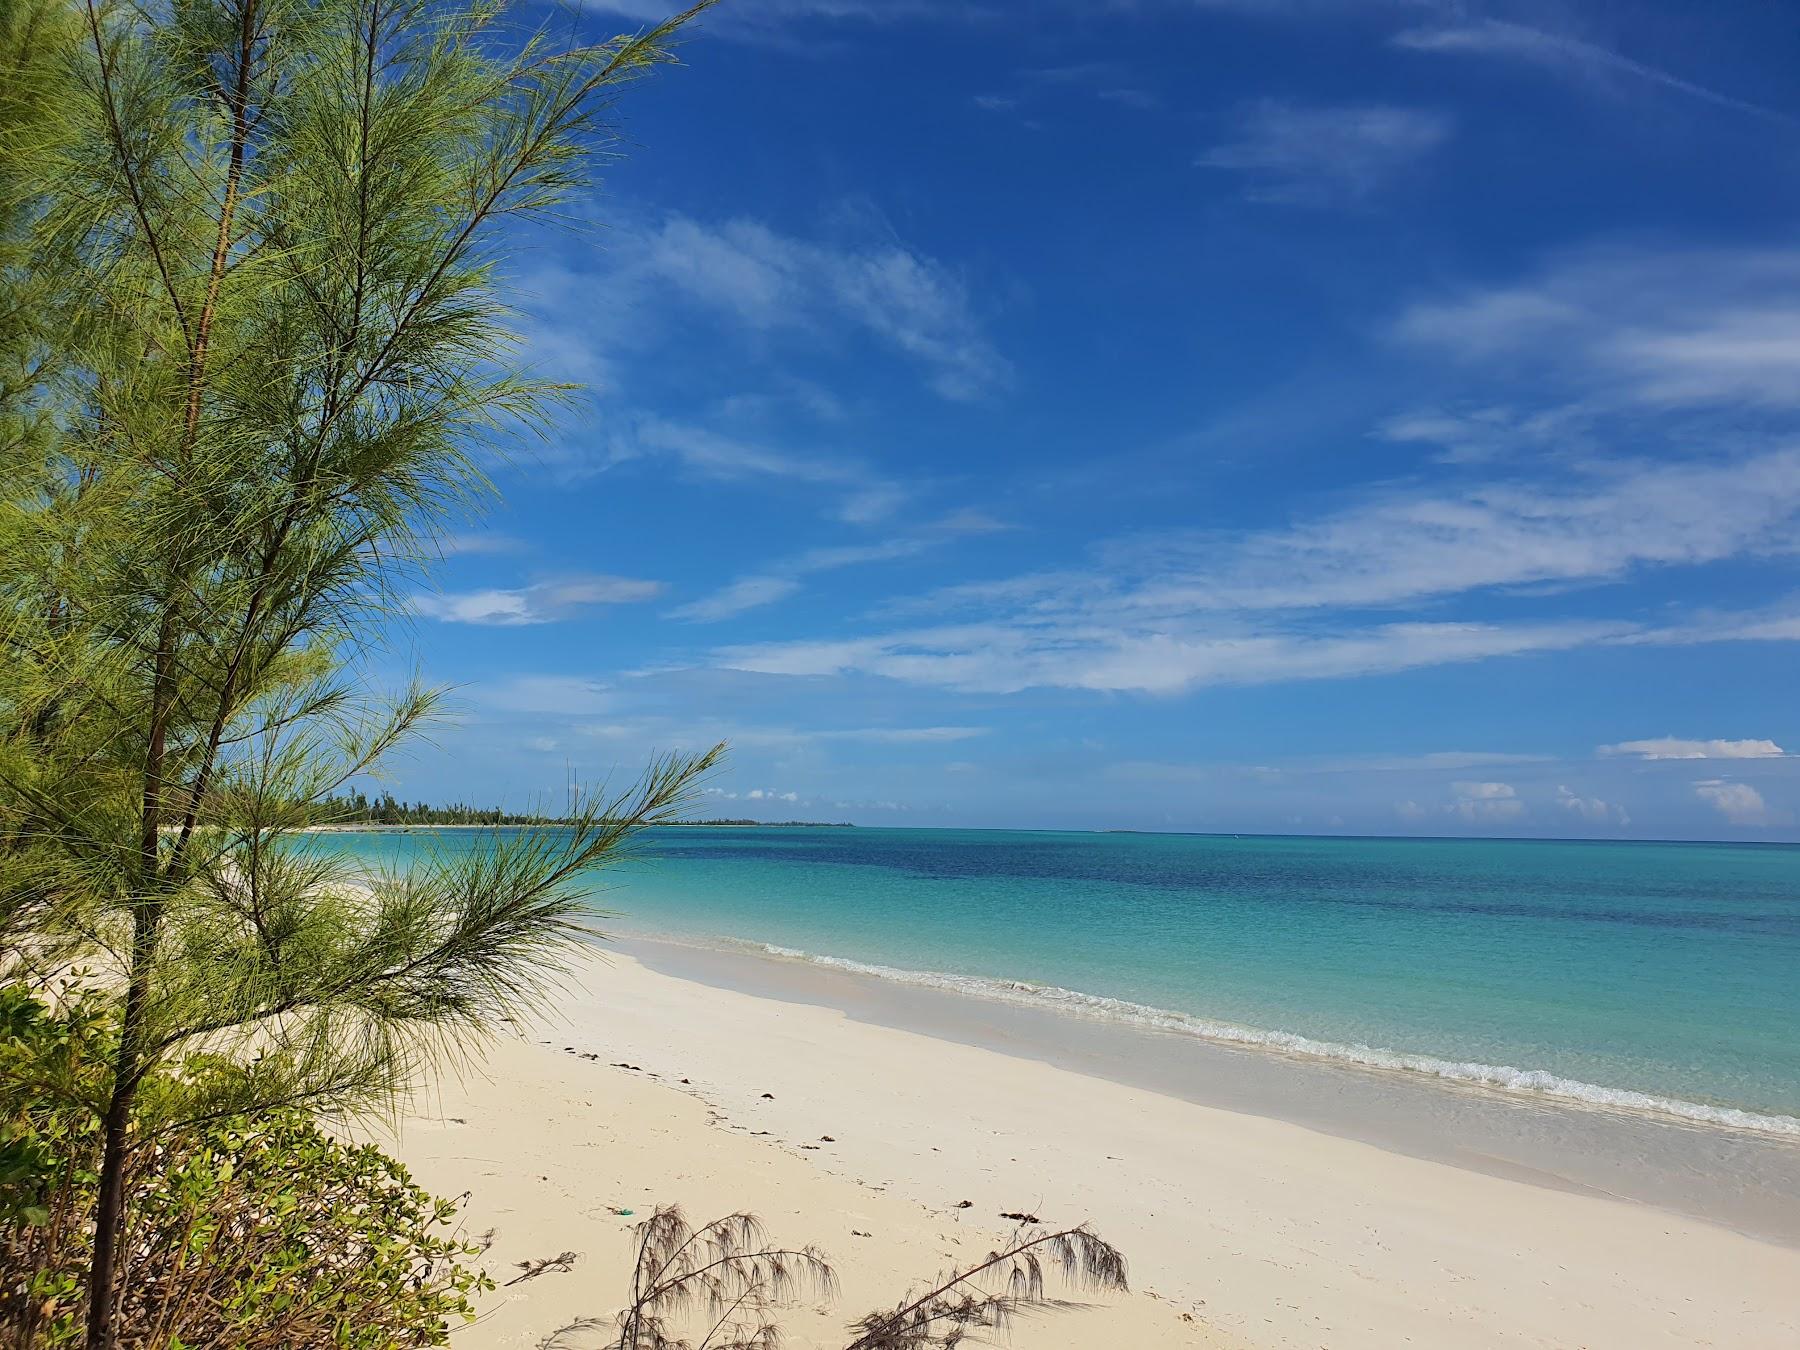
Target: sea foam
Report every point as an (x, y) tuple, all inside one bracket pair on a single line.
[(1538, 1082)]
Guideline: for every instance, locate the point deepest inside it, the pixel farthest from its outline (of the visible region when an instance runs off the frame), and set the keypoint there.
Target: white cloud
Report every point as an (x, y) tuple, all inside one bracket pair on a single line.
[(1485, 792), (1674, 747), (1324, 156), (541, 602), (1569, 56), (1485, 802), (1739, 803), (1592, 809)]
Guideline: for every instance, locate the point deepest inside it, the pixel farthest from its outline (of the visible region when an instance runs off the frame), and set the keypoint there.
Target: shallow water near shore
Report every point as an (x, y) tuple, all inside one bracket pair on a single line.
[(1644, 976)]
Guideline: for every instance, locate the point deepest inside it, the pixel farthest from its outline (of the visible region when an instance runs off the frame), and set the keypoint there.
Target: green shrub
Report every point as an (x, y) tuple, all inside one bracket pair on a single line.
[(257, 1234)]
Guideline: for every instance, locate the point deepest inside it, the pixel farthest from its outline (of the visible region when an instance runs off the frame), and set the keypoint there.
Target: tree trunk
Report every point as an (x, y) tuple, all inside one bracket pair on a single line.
[(109, 1213)]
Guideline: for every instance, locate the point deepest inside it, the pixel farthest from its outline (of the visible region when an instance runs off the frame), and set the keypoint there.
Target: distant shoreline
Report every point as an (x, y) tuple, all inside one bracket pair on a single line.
[(372, 827)]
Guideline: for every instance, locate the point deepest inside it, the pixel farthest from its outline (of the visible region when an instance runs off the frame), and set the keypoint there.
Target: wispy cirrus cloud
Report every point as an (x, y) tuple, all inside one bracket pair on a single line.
[(782, 23), (1306, 601), (1572, 57), (770, 281), (541, 602), (1006, 657), (785, 577), (1653, 329), (1325, 155)]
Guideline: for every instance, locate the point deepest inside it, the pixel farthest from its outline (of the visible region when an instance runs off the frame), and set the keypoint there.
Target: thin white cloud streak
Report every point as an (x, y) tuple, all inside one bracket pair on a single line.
[(1674, 747), (746, 593), (565, 695), (678, 733), (480, 542), (1569, 56), (783, 23), (864, 497), (1001, 658), (1302, 155), (542, 602), (1645, 328)]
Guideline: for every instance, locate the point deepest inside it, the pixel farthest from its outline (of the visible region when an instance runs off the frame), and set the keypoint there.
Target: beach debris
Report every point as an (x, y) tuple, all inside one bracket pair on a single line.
[(684, 1080), (622, 1213), (768, 1096), (1021, 1217), (965, 1204), (857, 1232), (573, 1335), (826, 1139), (623, 1065), (561, 1264)]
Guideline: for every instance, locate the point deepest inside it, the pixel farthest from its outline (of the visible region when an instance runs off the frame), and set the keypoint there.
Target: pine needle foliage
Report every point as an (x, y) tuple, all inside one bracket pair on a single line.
[(254, 341)]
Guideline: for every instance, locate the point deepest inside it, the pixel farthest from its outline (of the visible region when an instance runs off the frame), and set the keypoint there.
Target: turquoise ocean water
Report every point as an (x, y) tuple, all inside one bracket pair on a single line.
[(1658, 975)]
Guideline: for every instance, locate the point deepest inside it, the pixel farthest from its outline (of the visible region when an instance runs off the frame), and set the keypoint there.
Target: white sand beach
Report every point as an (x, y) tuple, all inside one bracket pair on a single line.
[(1241, 1230)]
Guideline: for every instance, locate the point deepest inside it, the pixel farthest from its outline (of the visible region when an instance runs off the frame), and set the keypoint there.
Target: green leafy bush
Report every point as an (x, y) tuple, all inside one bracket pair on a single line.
[(258, 1234)]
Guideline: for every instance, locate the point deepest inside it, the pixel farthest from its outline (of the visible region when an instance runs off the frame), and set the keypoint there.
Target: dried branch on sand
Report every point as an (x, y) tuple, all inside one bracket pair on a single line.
[(728, 1272)]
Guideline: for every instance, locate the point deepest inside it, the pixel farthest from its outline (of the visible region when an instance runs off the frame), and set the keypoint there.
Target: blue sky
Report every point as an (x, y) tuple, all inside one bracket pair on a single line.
[(1249, 416)]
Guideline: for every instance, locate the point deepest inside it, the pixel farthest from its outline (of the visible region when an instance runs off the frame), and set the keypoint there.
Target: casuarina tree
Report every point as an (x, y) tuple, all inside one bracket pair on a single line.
[(256, 345)]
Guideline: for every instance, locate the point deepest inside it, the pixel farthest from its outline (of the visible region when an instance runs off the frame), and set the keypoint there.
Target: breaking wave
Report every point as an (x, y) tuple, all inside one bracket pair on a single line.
[(1539, 1082)]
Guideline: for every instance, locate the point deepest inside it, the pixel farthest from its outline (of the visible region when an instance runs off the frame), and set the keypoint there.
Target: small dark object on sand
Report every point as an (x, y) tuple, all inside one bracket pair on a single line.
[(768, 1096), (1022, 1218), (965, 1204)]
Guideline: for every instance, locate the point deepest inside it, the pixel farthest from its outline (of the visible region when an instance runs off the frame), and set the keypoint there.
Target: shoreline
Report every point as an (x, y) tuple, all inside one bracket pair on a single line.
[(1264, 1231), (1740, 1178), (1538, 1086)]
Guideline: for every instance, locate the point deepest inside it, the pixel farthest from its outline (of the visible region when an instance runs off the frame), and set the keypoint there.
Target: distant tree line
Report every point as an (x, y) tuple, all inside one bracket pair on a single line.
[(358, 808)]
